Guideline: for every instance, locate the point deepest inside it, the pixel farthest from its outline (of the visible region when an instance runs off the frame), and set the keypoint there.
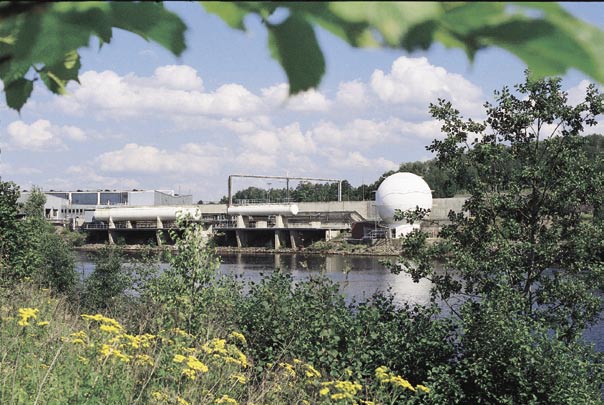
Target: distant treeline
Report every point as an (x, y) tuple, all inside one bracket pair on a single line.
[(442, 183)]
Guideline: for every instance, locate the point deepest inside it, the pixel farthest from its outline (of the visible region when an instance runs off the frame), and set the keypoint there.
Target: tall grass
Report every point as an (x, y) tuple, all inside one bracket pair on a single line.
[(51, 354)]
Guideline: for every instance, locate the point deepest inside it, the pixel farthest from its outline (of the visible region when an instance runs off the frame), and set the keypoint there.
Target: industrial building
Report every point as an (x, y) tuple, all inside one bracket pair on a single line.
[(74, 208), (279, 225)]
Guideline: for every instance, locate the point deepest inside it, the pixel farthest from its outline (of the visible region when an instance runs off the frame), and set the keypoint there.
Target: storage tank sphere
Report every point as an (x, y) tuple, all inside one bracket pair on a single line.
[(403, 191)]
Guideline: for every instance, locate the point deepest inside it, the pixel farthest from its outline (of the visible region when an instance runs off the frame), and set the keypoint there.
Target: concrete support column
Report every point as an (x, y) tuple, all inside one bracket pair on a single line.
[(330, 234), (277, 241), (111, 236), (111, 223), (280, 239), (129, 224), (98, 198), (159, 224), (279, 221), (241, 237), (240, 223), (158, 237), (295, 239)]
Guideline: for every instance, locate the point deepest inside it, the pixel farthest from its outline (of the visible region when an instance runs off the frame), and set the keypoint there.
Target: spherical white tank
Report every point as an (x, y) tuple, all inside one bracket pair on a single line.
[(403, 191)]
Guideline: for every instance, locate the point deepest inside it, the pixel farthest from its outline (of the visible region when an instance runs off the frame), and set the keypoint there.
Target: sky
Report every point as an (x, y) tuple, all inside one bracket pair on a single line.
[(142, 118)]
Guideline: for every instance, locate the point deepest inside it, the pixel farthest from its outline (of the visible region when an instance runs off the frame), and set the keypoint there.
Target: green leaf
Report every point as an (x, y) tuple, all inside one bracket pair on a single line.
[(294, 45), (55, 77), (151, 21), (540, 45), (230, 13), (17, 93), (392, 20)]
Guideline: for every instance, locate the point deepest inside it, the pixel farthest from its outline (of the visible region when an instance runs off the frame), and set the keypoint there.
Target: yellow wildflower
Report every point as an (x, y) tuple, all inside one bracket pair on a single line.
[(109, 328), (238, 336), (289, 369), (180, 332), (324, 391), (138, 341), (239, 378), (102, 319), (26, 314), (159, 396), (43, 323), (225, 399), (108, 351), (143, 359), (195, 364), (401, 382), (382, 374), (191, 374), (178, 358), (422, 387), (297, 361), (83, 359), (310, 371), (181, 401)]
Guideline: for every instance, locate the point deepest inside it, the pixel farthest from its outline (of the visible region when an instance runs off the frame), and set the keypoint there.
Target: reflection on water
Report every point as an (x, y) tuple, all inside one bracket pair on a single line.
[(358, 277)]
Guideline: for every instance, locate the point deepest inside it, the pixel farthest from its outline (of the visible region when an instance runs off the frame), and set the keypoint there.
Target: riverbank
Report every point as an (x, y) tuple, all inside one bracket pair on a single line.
[(336, 247)]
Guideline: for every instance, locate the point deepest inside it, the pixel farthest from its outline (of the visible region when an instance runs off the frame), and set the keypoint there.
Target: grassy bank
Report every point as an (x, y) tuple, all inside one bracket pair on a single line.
[(50, 353)]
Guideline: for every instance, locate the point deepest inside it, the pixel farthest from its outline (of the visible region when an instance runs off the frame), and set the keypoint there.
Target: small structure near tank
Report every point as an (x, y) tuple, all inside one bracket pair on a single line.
[(405, 192)]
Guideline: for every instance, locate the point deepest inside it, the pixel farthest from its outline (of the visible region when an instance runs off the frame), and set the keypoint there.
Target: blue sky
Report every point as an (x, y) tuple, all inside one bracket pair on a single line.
[(142, 118)]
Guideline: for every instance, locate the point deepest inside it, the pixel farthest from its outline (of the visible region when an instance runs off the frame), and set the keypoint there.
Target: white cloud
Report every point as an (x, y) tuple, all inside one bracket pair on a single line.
[(415, 81), (371, 133), (85, 177), (264, 141), (189, 159), (353, 94), (311, 100), (178, 77), (355, 160), (172, 90), (576, 94), (255, 161), (41, 135), (10, 170), (73, 133)]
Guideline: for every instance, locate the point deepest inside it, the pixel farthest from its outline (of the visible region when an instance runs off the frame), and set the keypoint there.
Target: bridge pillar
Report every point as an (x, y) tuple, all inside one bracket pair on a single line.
[(158, 237), (294, 239), (111, 236), (280, 240), (240, 223), (241, 237), (330, 234), (111, 223), (129, 224), (279, 221), (159, 224)]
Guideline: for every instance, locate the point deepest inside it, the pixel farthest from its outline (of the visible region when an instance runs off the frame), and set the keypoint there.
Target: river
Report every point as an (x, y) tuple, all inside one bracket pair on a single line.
[(359, 277)]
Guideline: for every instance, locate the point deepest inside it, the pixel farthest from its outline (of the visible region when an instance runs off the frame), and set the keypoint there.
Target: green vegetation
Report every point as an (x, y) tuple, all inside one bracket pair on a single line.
[(41, 40), (190, 336)]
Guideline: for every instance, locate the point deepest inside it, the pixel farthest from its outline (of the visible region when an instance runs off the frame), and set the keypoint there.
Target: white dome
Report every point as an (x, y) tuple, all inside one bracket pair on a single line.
[(403, 191)]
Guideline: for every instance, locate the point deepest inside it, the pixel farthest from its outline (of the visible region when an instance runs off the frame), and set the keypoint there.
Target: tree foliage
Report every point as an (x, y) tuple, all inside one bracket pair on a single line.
[(530, 229), (40, 41)]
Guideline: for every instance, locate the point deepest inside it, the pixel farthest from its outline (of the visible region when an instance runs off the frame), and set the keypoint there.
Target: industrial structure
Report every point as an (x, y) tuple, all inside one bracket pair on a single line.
[(279, 225), (74, 208)]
